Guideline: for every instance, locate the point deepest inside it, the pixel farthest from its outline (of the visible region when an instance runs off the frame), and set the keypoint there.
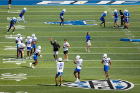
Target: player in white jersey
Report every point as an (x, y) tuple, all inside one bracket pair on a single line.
[(34, 41), (65, 49), (36, 53), (18, 41), (21, 48), (106, 62), (28, 43), (60, 67), (78, 68)]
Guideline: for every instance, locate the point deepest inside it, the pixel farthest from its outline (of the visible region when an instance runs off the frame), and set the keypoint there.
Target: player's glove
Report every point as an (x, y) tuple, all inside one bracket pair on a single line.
[(40, 55)]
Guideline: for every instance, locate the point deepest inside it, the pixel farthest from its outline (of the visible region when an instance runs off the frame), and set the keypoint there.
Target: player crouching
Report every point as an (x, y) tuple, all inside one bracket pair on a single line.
[(60, 67), (78, 68), (21, 48), (106, 62), (36, 53)]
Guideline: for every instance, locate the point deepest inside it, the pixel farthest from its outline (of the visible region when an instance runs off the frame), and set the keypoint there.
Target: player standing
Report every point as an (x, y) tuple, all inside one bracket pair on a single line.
[(12, 24), (122, 16), (61, 16), (36, 53), (65, 49), (56, 47), (115, 18), (103, 18), (60, 67), (106, 62), (34, 41), (28, 43), (18, 41), (22, 15), (21, 48), (78, 68), (126, 19), (88, 41)]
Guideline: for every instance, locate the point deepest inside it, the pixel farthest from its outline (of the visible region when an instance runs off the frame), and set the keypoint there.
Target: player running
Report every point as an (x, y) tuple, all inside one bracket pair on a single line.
[(22, 15), (103, 18), (56, 47), (34, 41), (126, 19), (36, 53), (21, 48), (61, 16), (106, 62), (28, 43), (18, 41), (78, 68), (88, 41), (115, 18), (12, 24), (60, 67), (65, 49)]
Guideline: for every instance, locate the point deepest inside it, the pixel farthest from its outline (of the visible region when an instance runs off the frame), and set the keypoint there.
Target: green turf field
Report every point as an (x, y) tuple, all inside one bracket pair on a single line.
[(125, 56)]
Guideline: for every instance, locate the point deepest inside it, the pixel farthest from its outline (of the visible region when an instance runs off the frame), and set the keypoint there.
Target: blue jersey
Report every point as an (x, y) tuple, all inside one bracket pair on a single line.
[(116, 14), (126, 15), (103, 15), (62, 13), (13, 21), (88, 37), (23, 11)]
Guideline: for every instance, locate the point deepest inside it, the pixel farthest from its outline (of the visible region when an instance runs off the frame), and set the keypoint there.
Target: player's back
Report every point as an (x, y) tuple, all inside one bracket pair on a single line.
[(103, 15), (60, 66), (127, 14), (37, 51), (79, 64), (61, 14), (106, 61)]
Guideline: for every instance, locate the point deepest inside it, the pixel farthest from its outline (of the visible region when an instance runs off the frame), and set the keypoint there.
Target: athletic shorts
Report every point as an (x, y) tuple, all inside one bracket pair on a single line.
[(78, 70), (65, 52), (115, 20), (106, 68), (102, 19), (21, 49), (61, 18), (88, 42), (59, 73), (55, 52), (9, 2), (34, 46), (12, 25), (126, 20), (35, 57), (17, 46), (28, 48)]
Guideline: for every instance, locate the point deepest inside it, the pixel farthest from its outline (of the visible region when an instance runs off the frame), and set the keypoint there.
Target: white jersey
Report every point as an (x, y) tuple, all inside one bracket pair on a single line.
[(18, 39), (66, 48), (37, 51), (28, 41), (106, 61), (79, 64), (20, 46), (33, 39), (60, 66)]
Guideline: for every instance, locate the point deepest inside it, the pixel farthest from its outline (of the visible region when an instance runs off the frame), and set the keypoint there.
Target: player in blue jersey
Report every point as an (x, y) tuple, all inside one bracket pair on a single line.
[(103, 18), (12, 24), (106, 62), (88, 38), (126, 19), (22, 15), (61, 16), (115, 18)]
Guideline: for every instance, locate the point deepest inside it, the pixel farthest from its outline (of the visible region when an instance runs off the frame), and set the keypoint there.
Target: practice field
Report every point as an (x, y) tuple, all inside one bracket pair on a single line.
[(16, 75)]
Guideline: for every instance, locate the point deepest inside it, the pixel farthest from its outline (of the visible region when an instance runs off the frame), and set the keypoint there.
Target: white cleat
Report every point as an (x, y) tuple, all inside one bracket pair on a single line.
[(30, 57), (86, 49), (7, 32), (30, 64), (27, 58), (55, 60), (67, 60), (13, 32), (33, 67)]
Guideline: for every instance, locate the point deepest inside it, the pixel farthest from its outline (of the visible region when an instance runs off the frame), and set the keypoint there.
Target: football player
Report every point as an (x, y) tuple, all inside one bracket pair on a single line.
[(12, 24), (21, 48), (28, 43), (126, 19), (103, 18), (65, 49), (18, 41), (61, 16), (78, 68), (115, 18), (106, 62), (60, 67), (22, 15), (34, 41), (36, 53), (88, 41)]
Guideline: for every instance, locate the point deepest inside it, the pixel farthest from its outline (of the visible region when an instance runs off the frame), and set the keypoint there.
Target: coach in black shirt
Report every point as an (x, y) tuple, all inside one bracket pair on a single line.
[(122, 16), (56, 47)]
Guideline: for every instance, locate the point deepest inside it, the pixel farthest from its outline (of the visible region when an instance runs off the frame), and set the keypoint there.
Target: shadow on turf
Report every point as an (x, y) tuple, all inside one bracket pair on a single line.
[(45, 85), (25, 67)]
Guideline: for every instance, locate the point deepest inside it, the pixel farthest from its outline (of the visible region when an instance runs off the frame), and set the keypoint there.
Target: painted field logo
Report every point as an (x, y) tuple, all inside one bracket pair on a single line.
[(102, 84)]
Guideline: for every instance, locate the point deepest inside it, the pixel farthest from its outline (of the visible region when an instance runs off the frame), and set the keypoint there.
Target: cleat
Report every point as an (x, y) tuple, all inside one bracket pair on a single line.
[(30, 64), (7, 31), (12, 31), (86, 49), (60, 85), (30, 57), (22, 59), (55, 60), (100, 24), (27, 58), (56, 85), (66, 60), (33, 67)]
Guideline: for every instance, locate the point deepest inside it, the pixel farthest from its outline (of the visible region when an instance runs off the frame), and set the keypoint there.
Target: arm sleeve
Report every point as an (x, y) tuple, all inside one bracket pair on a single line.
[(58, 45), (51, 43)]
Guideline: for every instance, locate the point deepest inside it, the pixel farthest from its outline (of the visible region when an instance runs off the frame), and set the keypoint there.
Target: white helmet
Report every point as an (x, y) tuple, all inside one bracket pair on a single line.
[(28, 37), (23, 45), (14, 18), (64, 10), (25, 8), (33, 35), (105, 55), (105, 12), (126, 11), (115, 10), (77, 57), (39, 47), (18, 35), (60, 59)]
